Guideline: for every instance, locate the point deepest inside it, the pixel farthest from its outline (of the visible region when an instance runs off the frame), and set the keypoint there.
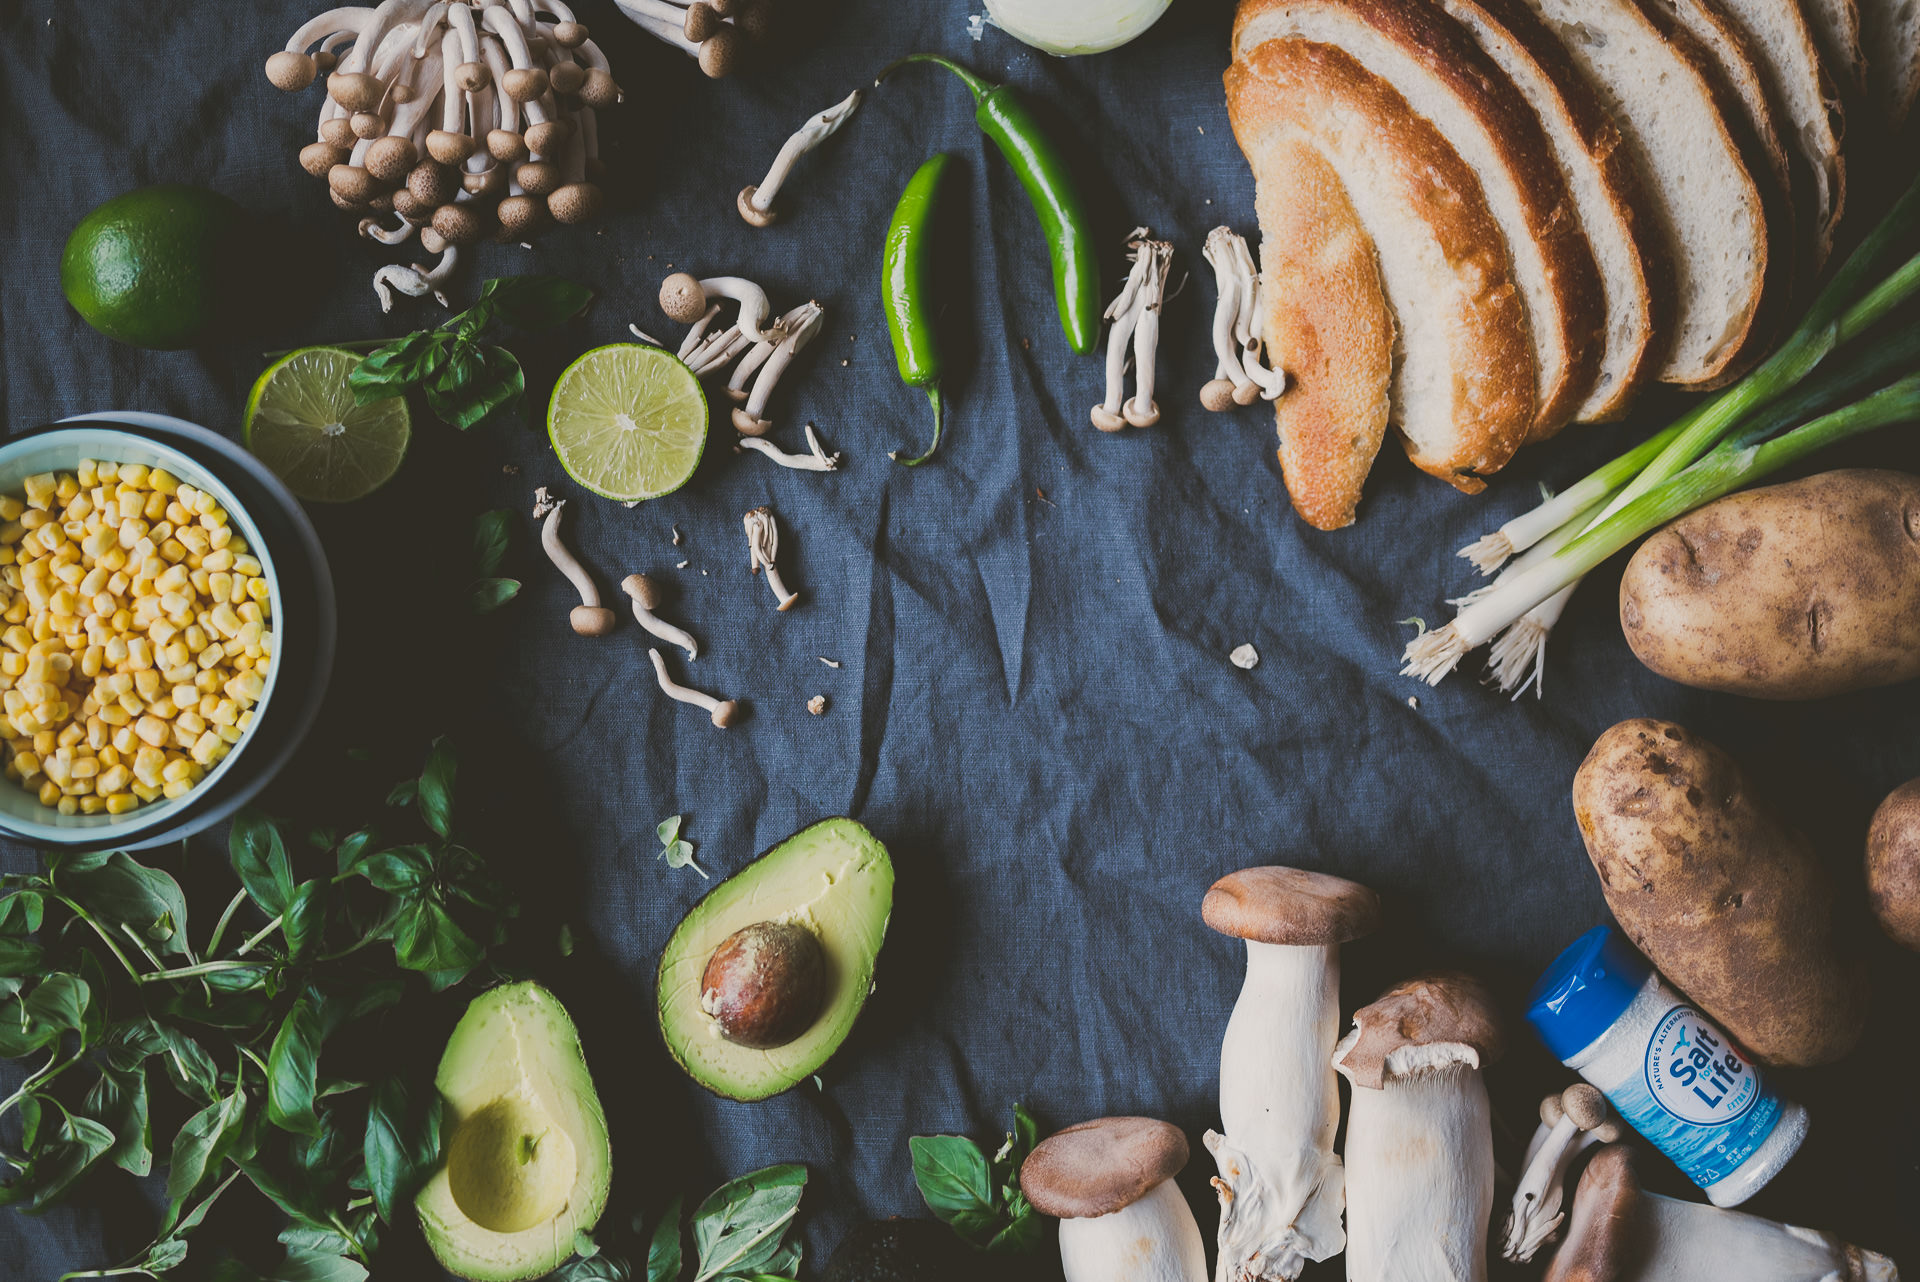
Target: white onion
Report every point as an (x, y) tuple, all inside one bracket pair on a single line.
[(1076, 26)]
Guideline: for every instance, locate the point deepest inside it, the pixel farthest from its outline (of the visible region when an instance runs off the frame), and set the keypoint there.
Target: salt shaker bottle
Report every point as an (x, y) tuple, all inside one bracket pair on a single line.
[(1667, 1069)]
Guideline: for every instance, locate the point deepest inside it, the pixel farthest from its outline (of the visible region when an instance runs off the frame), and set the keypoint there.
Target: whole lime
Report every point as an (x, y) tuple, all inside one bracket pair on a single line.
[(156, 267)]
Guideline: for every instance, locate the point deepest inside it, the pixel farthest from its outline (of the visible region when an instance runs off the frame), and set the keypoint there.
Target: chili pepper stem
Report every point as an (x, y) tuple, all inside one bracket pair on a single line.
[(976, 86), (933, 396)]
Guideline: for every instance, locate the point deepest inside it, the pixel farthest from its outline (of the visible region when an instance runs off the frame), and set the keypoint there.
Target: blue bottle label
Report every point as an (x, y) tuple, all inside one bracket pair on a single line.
[(1698, 1099)]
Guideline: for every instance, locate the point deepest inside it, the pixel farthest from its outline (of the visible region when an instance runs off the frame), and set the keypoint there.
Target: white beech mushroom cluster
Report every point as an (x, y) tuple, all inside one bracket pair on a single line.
[(717, 34), (760, 350), (465, 118), (1242, 374), (1135, 314)]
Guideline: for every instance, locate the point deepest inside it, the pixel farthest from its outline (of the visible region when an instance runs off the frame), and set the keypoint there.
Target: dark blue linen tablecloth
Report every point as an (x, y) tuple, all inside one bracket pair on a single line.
[(1034, 706)]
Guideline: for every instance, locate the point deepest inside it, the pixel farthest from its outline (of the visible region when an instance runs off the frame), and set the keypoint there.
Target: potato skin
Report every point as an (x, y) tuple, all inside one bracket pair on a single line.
[(1728, 902), (1893, 865), (1792, 591)]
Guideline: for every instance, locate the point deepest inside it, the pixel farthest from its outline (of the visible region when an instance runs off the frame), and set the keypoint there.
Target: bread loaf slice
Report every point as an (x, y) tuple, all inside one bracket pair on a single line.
[(1433, 64), (1463, 390), (1730, 250), (1806, 103), (1725, 42), (1839, 29), (1890, 31), (1636, 280), (1327, 325)]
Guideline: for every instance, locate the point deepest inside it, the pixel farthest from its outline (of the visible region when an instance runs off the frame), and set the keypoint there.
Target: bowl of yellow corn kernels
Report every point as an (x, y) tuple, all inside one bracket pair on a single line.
[(137, 634)]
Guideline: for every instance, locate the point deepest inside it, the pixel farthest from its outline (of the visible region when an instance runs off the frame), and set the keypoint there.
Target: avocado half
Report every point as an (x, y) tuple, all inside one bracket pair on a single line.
[(833, 878), (526, 1159)]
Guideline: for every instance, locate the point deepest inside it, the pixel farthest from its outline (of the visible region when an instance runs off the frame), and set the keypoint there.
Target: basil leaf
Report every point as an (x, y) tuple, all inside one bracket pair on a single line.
[(58, 1164), (201, 1145), (338, 1009), (478, 383), (535, 302), (389, 371), (399, 871), (302, 1265), (402, 1145), (436, 789), (119, 891), (425, 938), (490, 594), (292, 1068), (305, 917), (118, 1101), (491, 532), (130, 1042), (403, 792), (259, 858), (738, 1229), (953, 1177), (663, 1252), (591, 1268), (165, 1254), (1025, 1233), (188, 1064), (349, 851)]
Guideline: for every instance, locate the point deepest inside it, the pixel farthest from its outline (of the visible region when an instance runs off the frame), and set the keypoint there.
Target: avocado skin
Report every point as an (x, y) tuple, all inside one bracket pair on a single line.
[(899, 1251)]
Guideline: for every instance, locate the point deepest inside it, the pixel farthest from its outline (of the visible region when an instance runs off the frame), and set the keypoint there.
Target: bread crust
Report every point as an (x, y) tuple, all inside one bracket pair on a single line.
[(1328, 325), (1725, 41), (1295, 87), (1577, 315), (1587, 122)]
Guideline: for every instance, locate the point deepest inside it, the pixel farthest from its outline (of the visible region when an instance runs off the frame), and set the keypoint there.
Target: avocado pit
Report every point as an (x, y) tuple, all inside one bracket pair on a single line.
[(764, 984)]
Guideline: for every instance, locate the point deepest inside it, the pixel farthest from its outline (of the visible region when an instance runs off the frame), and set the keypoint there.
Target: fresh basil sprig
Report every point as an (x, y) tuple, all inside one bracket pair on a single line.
[(978, 1197), (490, 537), (743, 1232), (113, 996), (468, 383)]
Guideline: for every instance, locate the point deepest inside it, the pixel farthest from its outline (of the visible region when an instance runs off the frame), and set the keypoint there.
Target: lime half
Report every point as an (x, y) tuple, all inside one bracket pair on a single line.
[(628, 422), (302, 423)]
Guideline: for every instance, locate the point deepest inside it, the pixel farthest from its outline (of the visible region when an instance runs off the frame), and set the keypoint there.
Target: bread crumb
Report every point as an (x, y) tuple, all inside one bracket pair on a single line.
[(817, 705), (1244, 656)]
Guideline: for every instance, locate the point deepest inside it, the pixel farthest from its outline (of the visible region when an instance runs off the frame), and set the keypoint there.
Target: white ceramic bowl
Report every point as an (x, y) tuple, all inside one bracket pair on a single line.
[(61, 451)]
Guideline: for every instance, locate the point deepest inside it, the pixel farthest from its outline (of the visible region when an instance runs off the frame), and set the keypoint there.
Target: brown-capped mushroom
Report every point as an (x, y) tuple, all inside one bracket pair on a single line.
[(647, 598), (1281, 1187), (1570, 1123), (459, 224), (723, 711), (1419, 1156), (589, 618), (1122, 1218), (755, 201)]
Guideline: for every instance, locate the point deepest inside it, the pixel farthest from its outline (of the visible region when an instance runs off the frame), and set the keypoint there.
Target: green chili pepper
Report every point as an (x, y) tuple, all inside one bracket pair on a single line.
[(903, 289), (1004, 117)]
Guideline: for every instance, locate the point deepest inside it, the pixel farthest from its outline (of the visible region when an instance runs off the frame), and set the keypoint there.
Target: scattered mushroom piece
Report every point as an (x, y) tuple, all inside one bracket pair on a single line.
[(647, 597), (1245, 656), (756, 200), (589, 618), (817, 460), (712, 32), (763, 547), (1281, 1186), (817, 705), (1419, 1153), (1230, 385), (685, 298), (801, 325), (1620, 1233), (1122, 1218), (1570, 1123), (723, 710), (1135, 314), (544, 502)]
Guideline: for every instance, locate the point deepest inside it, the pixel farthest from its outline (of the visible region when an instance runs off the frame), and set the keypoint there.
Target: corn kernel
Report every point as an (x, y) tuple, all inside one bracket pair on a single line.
[(208, 748), (204, 504), (115, 715), (49, 793), (179, 788), (71, 735), (146, 793), (65, 805), (147, 683), (152, 730), (27, 764), (124, 738), (11, 508), (40, 489), (43, 743), (119, 803), (148, 764), (85, 767)]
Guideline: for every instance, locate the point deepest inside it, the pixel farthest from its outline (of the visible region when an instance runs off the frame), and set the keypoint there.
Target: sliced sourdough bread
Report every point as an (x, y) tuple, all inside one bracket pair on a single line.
[(1724, 41), (1890, 30), (1628, 247), (1839, 29), (1327, 324), (1807, 105), (1432, 63), (1731, 252), (1463, 390)]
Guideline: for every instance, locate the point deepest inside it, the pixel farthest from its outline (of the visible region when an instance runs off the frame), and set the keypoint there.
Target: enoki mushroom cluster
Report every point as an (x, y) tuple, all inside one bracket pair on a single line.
[(718, 34), (466, 118)]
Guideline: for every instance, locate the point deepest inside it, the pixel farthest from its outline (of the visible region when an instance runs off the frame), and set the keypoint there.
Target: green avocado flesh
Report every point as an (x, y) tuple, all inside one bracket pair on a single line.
[(526, 1156), (834, 879)]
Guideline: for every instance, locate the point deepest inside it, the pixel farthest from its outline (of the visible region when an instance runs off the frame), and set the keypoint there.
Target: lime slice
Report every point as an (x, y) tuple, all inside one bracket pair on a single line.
[(628, 422), (302, 423)]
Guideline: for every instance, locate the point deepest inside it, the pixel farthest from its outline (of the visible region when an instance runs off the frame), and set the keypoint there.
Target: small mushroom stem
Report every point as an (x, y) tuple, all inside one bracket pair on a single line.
[(818, 460), (589, 618), (754, 307), (1226, 348), (1124, 312), (1141, 411), (717, 351), (430, 23), (723, 711), (1249, 327), (372, 230), (691, 342), (763, 547), (646, 597), (756, 201), (801, 325), (753, 360), (1582, 1119)]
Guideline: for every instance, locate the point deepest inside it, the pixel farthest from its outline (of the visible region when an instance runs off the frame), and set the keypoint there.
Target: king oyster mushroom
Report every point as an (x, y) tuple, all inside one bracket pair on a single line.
[(1122, 1218), (1419, 1131), (1619, 1233), (1281, 1186)]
